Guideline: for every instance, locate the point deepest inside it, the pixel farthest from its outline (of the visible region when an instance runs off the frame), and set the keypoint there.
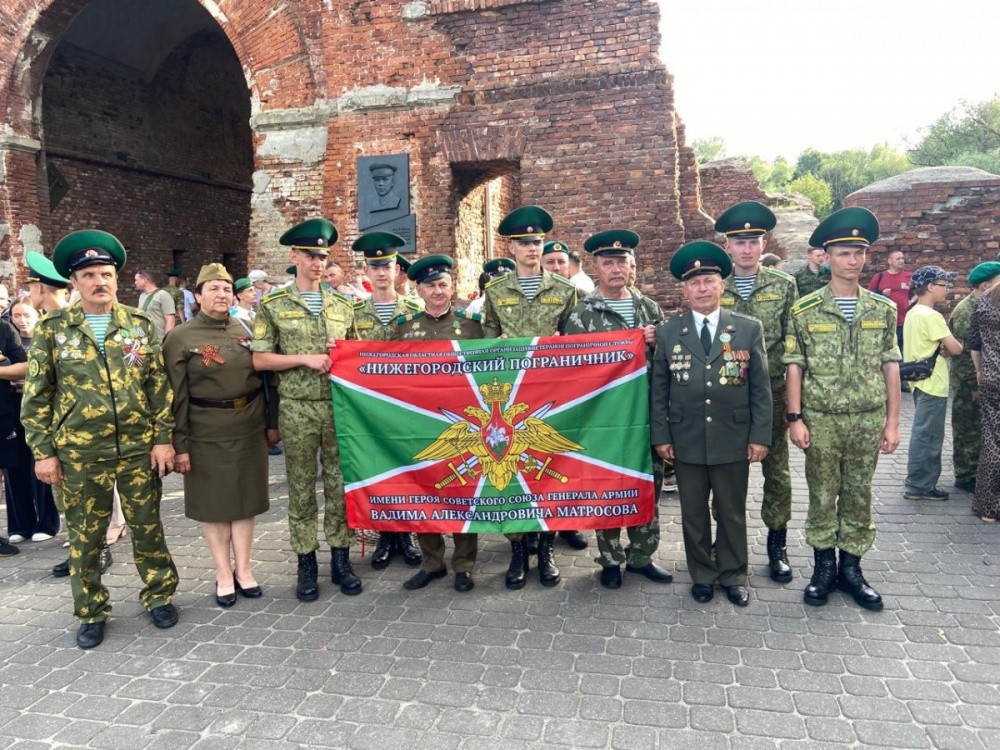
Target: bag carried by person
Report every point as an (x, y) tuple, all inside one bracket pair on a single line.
[(921, 369)]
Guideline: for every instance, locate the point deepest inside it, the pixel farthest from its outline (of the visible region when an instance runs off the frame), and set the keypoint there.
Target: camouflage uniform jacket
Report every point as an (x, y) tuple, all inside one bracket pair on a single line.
[(177, 294), (842, 362), (508, 311), (962, 372), (770, 302), (593, 315), (809, 282), (285, 325), (454, 325), (369, 324), (78, 403)]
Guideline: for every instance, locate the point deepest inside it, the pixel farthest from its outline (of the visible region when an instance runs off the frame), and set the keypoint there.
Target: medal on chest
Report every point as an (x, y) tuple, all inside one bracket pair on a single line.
[(210, 354)]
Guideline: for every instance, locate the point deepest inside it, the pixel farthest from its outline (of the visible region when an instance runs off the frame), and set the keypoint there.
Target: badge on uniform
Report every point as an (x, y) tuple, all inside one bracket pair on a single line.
[(132, 353), (210, 354)]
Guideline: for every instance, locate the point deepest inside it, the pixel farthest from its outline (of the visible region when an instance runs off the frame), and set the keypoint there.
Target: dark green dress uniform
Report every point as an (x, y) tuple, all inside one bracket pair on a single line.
[(710, 408), (219, 413), (101, 415), (844, 408)]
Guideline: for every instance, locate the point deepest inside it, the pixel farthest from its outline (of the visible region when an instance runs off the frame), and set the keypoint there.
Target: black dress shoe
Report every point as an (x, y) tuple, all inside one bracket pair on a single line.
[(165, 616), (61, 570), (611, 577), (253, 592), (422, 578), (574, 539), (702, 592), (90, 634), (223, 600), (738, 595), (653, 572), (464, 582)]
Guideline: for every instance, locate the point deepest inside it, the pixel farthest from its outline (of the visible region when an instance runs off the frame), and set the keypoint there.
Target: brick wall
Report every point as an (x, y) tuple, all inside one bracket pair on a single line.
[(942, 216), (725, 182)]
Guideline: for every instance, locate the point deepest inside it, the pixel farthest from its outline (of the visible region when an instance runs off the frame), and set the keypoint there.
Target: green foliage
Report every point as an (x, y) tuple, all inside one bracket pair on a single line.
[(817, 190), (709, 149), (968, 136), (773, 176)]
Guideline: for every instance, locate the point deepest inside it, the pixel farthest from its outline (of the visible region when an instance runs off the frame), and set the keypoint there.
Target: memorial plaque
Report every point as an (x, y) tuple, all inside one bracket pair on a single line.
[(383, 190)]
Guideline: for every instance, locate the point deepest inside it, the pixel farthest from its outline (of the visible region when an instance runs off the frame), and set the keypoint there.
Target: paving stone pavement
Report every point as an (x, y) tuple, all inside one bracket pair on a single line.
[(574, 666)]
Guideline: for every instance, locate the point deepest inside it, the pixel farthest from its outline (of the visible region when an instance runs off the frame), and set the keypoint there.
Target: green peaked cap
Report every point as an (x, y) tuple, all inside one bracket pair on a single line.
[(554, 247), (612, 242), (499, 265), (526, 221), (746, 219), (87, 247), (40, 269), (379, 248), (848, 226), (312, 236), (700, 257), (430, 268)]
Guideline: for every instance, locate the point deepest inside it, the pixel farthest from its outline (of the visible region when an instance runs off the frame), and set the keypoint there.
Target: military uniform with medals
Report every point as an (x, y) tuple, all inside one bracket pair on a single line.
[(101, 415)]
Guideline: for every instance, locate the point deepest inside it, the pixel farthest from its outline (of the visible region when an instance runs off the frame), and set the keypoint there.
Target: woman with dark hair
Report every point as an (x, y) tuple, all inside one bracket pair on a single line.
[(984, 344), (222, 431)]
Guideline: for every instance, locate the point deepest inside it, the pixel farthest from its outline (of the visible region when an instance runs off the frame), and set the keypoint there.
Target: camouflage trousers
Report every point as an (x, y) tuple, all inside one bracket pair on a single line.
[(965, 435), (840, 463), (643, 541), (776, 506), (88, 495), (307, 429)]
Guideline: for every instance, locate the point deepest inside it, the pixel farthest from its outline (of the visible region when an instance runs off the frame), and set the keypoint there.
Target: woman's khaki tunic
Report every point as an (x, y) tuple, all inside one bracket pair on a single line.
[(209, 359)]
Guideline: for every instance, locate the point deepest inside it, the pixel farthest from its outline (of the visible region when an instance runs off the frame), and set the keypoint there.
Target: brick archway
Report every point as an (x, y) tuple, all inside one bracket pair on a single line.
[(278, 76)]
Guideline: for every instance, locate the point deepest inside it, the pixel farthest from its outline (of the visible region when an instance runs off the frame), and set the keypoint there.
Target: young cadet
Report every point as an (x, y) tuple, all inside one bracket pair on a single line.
[(526, 303), (373, 319), (842, 363), (439, 321), (766, 294), (295, 328)]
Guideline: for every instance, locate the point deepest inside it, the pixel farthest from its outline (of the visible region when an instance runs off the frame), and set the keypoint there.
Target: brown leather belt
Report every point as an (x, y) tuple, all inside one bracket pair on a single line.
[(237, 403)]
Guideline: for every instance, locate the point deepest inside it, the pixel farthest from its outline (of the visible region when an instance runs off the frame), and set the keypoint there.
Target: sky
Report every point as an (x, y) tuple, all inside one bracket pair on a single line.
[(766, 77)]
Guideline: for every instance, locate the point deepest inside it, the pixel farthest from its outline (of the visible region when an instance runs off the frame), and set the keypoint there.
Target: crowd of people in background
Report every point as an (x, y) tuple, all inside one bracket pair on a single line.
[(99, 400)]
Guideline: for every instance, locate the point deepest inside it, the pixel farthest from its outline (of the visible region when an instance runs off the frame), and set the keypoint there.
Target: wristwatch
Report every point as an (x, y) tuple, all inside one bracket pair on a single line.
[(793, 416)]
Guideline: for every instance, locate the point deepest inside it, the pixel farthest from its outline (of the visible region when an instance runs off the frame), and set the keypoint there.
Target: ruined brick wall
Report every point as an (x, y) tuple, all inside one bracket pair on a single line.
[(581, 116), (728, 181), (942, 216)]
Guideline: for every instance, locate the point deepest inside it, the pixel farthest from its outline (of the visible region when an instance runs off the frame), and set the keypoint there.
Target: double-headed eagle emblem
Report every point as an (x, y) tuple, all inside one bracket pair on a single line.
[(499, 443)]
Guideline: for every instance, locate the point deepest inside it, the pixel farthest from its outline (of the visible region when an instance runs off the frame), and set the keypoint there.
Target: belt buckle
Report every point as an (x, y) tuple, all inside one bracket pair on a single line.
[(240, 403)]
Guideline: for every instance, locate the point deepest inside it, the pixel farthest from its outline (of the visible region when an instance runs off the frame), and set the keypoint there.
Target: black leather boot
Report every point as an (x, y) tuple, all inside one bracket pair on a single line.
[(517, 571), (548, 573), (531, 543), (307, 589), (341, 572), (574, 539), (411, 555), (781, 571), (383, 550), (824, 577), (850, 580)]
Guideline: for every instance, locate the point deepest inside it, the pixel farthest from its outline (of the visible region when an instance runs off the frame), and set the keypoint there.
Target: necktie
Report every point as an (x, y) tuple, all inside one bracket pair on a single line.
[(706, 337)]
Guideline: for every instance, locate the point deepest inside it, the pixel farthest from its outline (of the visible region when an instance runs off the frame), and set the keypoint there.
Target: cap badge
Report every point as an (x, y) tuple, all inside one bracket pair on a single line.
[(697, 264), (747, 225), (616, 243), (531, 229), (320, 241), (855, 233), (91, 253), (378, 253)]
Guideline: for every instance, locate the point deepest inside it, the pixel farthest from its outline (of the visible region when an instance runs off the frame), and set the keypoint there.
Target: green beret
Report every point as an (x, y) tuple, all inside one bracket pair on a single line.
[(313, 236), (175, 272), (746, 219), (612, 242), (379, 248), (984, 272), (526, 221), (240, 284), (41, 270), (700, 257), (499, 266), (88, 247), (848, 226), (430, 268)]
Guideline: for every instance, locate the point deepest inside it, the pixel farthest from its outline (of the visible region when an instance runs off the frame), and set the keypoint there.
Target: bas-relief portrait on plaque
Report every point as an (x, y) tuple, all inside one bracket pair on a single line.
[(383, 189)]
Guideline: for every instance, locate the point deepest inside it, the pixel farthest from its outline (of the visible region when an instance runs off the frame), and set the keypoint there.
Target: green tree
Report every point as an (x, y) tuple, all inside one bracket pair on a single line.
[(816, 190), (709, 149), (968, 135)]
